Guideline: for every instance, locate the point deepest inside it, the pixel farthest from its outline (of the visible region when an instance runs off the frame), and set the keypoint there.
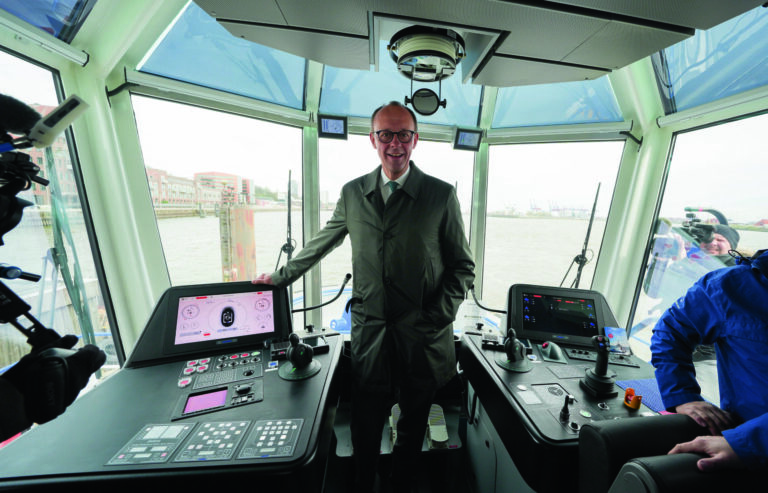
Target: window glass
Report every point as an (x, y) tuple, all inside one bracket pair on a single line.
[(358, 93), (725, 60), (589, 101), (197, 49), (540, 198), (52, 239), (342, 161), (61, 18), (709, 184), (219, 186)]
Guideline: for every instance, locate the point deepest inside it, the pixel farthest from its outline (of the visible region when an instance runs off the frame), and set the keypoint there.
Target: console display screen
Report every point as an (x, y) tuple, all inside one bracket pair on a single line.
[(203, 402), (559, 315), (224, 316)]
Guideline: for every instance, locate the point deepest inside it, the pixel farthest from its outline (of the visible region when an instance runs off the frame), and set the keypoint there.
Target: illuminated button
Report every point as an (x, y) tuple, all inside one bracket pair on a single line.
[(585, 413), (190, 370), (184, 382), (234, 356), (205, 361), (202, 368), (192, 363), (245, 355)]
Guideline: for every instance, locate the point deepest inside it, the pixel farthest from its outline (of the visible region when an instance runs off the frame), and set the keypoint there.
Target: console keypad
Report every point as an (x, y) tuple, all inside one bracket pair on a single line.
[(213, 441), (272, 438)]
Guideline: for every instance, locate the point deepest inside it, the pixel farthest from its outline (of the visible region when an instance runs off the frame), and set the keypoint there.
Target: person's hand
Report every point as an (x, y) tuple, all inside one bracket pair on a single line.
[(719, 452), (707, 416), (262, 279)]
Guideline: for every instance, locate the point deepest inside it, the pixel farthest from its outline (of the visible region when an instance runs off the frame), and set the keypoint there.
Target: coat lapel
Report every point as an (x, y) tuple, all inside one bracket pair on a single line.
[(372, 191)]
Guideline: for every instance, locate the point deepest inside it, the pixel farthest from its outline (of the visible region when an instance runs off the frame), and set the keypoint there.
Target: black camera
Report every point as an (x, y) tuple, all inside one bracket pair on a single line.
[(41, 385), (693, 227)]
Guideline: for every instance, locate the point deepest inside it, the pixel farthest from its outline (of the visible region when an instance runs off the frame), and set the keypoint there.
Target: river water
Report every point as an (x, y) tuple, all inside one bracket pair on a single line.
[(518, 250)]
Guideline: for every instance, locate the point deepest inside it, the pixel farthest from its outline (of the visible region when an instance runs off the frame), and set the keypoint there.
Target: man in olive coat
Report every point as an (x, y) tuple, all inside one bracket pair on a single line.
[(411, 270)]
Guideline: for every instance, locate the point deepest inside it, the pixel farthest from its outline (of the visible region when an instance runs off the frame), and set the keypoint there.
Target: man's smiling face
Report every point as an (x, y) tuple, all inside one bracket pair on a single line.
[(394, 155)]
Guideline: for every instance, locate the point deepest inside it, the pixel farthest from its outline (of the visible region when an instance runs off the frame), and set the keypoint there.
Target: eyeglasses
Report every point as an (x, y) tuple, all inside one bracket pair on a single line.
[(386, 136)]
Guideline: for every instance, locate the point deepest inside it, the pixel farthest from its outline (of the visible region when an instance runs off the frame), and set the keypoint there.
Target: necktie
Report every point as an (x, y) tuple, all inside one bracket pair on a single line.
[(392, 186)]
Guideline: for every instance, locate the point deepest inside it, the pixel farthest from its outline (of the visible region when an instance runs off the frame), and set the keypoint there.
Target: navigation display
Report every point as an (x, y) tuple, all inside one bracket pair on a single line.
[(224, 316), (559, 314), (545, 313)]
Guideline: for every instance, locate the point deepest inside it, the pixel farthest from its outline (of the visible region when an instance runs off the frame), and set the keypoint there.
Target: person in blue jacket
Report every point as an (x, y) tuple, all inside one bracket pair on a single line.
[(728, 308)]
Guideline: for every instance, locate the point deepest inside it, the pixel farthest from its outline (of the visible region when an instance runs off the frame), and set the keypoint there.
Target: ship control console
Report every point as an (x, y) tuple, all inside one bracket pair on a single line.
[(203, 400), (569, 373)]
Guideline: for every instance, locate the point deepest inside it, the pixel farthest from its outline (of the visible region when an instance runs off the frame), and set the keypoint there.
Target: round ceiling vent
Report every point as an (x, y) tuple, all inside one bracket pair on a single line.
[(426, 54)]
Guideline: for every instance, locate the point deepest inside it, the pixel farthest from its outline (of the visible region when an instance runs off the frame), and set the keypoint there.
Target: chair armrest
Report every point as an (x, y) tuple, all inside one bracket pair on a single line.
[(674, 473), (605, 446)]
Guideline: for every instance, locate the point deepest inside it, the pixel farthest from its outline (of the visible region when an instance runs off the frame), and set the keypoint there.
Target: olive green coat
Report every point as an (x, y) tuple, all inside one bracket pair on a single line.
[(411, 268)]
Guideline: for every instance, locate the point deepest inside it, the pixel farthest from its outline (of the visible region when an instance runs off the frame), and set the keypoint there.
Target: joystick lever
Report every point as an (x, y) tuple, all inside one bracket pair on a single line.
[(565, 413), (299, 354), (601, 344), (300, 363), (513, 347), (596, 382), (515, 354)]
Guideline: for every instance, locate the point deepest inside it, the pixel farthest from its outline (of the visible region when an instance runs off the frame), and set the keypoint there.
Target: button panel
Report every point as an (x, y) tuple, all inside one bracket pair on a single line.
[(272, 438), (221, 370), (213, 441)]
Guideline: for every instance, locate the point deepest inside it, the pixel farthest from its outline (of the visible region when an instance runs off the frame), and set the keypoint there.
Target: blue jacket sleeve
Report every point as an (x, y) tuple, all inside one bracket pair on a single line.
[(750, 441), (691, 321)]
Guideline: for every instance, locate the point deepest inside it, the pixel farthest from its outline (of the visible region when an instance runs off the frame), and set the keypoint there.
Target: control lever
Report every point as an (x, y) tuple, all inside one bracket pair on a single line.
[(300, 364), (550, 351), (515, 357), (601, 344), (565, 413), (514, 349), (597, 382)]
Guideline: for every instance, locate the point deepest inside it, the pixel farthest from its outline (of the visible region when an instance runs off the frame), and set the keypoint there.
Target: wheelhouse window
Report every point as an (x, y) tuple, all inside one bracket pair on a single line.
[(713, 192), (540, 198), (219, 186), (251, 69), (342, 161), (52, 239), (589, 101), (725, 60)]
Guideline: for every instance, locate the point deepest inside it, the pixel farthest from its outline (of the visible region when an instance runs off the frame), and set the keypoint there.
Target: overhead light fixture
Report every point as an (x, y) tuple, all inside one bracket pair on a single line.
[(426, 54)]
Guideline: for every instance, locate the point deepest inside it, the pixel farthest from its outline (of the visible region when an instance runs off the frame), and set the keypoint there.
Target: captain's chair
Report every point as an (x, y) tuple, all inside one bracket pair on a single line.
[(630, 456)]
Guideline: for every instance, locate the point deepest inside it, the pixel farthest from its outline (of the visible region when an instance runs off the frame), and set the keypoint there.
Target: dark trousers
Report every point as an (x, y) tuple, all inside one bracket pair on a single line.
[(369, 414)]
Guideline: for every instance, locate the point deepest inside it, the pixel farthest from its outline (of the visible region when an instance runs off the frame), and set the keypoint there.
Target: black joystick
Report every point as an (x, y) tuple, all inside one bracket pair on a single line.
[(300, 364), (550, 351), (597, 382), (565, 413), (299, 354), (515, 356)]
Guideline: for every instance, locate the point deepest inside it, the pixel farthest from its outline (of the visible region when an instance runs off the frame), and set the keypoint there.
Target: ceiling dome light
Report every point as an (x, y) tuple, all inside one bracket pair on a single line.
[(426, 54)]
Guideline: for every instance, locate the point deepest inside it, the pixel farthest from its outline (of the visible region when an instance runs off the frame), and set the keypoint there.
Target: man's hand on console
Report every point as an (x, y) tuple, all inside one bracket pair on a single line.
[(707, 415), (719, 452), (263, 279)]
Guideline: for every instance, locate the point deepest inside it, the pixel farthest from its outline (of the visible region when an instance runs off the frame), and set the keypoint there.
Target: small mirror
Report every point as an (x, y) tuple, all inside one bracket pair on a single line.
[(425, 101)]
